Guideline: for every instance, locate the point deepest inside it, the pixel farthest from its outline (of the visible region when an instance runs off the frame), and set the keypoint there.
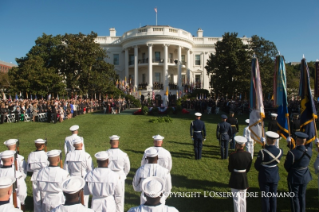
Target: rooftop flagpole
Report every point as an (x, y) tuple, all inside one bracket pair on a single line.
[(156, 14)]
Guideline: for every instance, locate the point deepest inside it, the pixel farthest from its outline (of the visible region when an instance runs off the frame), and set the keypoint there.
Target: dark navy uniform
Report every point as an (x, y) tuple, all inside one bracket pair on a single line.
[(197, 131), (234, 126), (272, 126), (296, 164), (294, 127), (223, 133), (268, 176)]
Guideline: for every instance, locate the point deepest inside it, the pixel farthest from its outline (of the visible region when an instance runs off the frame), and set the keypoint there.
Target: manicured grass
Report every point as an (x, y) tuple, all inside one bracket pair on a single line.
[(208, 174)]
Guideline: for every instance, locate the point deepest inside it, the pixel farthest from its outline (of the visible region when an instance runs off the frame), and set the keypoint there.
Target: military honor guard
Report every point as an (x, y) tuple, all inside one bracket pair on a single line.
[(268, 176), (68, 143), (49, 181), (79, 163), (119, 162), (153, 189), (22, 165), (104, 185), (164, 156), (73, 190), (224, 133), (239, 165), (250, 142), (6, 190), (234, 126), (272, 126), (152, 169), (36, 161), (198, 135), (296, 164)]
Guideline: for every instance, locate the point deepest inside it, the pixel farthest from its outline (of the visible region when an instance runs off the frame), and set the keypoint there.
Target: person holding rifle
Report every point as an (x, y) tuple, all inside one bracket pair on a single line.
[(5, 194), (9, 169), (36, 161), (73, 192)]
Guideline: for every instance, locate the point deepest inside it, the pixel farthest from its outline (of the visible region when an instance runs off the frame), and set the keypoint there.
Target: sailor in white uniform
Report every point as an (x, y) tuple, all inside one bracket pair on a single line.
[(152, 169), (104, 185), (50, 181), (250, 142), (164, 156), (119, 162), (12, 145), (68, 143), (153, 189), (5, 194), (8, 169), (79, 163), (73, 190), (36, 161)]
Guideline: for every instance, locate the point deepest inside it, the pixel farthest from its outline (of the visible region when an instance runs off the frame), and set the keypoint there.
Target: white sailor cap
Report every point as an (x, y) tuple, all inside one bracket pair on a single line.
[(274, 114), (198, 114), (153, 186), (78, 140), (271, 134), (53, 153), (7, 154), (10, 142), (39, 141), (247, 121), (158, 137), (240, 139), (74, 128), (73, 185), (151, 152), (102, 156), (114, 138), (6, 182)]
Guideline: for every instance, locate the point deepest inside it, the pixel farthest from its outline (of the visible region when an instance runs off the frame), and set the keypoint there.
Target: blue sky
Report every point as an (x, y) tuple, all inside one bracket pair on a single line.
[(292, 25)]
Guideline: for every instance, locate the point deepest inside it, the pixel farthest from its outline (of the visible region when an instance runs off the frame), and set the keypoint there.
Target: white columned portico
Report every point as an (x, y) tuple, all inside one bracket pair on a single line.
[(126, 64), (206, 77), (150, 65), (136, 67), (188, 67), (179, 64), (165, 66)]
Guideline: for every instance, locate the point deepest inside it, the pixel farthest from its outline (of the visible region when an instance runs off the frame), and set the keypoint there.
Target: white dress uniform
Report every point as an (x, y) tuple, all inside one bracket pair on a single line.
[(157, 208), (6, 206), (68, 143), (105, 186), (79, 163), (164, 158), (49, 182), (250, 141), (72, 208), (36, 161), (9, 208)]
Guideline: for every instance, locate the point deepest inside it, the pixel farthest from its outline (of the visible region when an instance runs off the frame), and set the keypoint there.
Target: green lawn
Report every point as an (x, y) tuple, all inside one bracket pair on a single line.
[(188, 175)]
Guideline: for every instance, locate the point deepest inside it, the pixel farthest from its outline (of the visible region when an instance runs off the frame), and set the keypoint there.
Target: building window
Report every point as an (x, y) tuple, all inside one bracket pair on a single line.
[(183, 79), (183, 58), (143, 78), (171, 78), (170, 58), (131, 61), (157, 56), (197, 60), (157, 77), (197, 81), (116, 59)]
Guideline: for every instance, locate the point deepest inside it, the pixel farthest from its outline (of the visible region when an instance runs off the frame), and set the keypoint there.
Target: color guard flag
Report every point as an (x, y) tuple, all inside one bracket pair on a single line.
[(155, 9), (256, 103)]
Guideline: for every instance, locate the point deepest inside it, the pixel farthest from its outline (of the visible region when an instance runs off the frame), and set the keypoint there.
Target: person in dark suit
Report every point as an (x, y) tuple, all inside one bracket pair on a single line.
[(272, 126), (198, 134), (239, 165), (268, 176), (296, 164), (234, 125), (223, 133)]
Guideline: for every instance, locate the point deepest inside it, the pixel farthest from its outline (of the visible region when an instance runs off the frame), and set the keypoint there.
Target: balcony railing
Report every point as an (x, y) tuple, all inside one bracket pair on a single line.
[(158, 60), (143, 60), (142, 86), (157, 86), (131, 62), (173, 86)]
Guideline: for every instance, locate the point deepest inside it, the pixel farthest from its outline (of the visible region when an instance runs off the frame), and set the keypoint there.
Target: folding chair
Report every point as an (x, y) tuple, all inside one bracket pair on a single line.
[(27, 118), (9, 120)]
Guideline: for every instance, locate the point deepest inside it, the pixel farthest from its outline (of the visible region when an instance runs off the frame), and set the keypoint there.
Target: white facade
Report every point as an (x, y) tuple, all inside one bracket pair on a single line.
[(162, 55)]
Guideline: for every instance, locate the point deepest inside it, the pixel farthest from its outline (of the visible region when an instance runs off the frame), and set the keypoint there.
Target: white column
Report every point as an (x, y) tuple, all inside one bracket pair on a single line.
[(165, 83), (179, 64), (136, 67), (206, 77), (126, 65), (150, 66), (188, 66)]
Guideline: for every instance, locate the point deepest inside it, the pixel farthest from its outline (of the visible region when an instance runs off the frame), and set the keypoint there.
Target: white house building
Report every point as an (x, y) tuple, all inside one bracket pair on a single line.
[(153, 58)]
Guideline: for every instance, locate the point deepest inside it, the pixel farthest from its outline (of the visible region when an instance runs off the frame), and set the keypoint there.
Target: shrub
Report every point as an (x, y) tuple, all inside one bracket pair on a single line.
[(154, 110), (145, 110), (163, 119), (133, 101)]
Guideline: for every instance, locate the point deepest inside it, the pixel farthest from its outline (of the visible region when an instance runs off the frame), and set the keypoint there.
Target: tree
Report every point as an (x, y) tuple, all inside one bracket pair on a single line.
[(230, 66), (4, 81)]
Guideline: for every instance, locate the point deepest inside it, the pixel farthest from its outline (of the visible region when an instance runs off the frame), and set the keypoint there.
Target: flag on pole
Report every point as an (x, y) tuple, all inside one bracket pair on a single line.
[(308, 112), (4, 96), (155, 9), (166, 93), (317, 79), (16, 96), (280, 97), (256, 103)]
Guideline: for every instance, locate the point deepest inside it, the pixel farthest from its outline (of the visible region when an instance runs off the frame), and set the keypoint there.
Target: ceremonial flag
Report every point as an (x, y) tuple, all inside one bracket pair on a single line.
[(57, 96), (256, 103), (16, 96), (166, 91), (153, 95), (317, 79), (280, 97), (308, 112), (4, 96), (31, 97)]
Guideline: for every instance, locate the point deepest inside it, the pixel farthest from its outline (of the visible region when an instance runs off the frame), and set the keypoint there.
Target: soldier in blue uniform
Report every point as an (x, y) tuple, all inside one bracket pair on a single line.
[(296, 164), (223, 133), (268, 176), (198, 133)]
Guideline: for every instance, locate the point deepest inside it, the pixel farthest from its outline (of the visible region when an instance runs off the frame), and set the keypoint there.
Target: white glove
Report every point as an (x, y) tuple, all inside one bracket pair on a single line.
[(316, 141), (288, 139), (263, 140), (205, 139)]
